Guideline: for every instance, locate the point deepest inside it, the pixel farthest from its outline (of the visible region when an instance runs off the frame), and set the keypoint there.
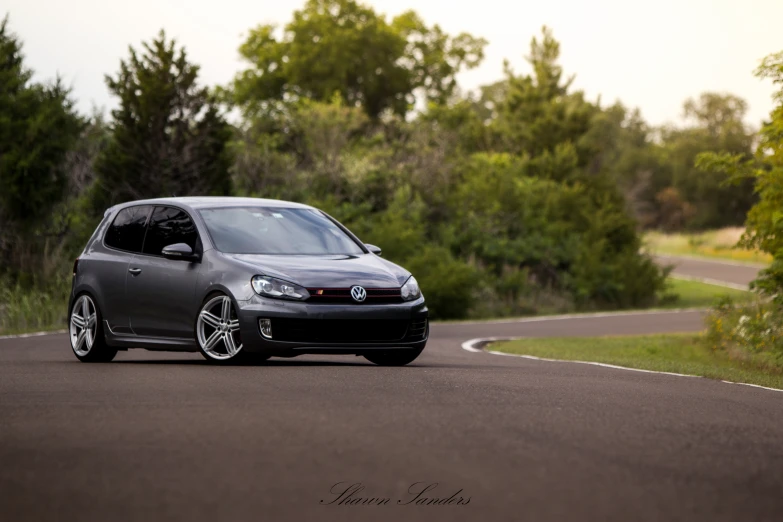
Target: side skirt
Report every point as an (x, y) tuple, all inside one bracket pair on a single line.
[(165, 344)]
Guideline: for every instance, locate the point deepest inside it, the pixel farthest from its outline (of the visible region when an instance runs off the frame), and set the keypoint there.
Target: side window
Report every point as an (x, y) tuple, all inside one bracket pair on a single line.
[(127, 230), (168, 226)]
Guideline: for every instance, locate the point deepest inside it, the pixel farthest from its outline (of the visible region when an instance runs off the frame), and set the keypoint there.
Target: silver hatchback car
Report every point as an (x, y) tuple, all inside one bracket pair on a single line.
[(240, 279)]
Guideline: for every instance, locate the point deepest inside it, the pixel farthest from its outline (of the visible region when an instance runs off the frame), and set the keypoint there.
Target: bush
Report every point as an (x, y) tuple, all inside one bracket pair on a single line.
[(447, 283), (747, 329)]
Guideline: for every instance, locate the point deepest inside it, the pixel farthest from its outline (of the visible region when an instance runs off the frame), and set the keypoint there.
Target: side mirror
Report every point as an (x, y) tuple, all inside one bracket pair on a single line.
[(373, 249), (179, 251)]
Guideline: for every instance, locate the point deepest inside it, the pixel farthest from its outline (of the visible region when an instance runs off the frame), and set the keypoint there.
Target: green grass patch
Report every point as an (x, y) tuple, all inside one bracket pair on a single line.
[(694, 294), (678, 353), (715, 244), (24, 310)]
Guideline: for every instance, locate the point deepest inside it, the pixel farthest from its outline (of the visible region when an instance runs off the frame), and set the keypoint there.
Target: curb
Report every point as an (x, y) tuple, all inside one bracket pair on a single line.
[(477, 345)]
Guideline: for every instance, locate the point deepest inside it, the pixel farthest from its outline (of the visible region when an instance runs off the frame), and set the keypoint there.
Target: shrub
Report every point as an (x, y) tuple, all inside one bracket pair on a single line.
[(448, 284), (747, 329)]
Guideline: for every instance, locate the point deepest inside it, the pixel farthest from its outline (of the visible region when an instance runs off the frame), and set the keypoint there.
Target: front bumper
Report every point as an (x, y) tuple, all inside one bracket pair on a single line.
[(249, 312)]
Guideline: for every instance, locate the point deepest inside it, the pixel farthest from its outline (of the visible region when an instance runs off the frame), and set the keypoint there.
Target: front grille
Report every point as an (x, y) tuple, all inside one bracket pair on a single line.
[(339, 330), (343, 296)]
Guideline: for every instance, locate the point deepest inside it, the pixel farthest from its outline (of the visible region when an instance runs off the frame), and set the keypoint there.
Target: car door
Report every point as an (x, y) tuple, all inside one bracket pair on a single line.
[(161, 291), (122, 240)]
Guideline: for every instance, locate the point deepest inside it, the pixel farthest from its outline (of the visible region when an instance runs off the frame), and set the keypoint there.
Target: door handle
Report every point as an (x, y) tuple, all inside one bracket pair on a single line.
[(134, 271)]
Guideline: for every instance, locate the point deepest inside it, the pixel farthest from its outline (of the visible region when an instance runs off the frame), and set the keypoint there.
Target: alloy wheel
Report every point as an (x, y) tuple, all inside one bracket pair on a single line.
[(83, 325), (217, 329)]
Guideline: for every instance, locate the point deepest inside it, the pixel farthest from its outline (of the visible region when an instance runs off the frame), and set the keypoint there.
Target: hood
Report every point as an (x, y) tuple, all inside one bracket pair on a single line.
[(327, 271)]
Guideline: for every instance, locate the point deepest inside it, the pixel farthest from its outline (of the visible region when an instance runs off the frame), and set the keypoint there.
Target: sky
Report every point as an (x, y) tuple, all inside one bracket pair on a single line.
[(650, 55)]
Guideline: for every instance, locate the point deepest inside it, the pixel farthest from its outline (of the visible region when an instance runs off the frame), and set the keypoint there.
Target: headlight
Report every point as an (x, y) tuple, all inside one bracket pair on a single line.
[(271, 287), (410, 290)]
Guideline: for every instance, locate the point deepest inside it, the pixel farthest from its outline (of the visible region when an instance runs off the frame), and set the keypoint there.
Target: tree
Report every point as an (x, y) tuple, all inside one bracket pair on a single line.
[(764, 224), (38, 125), (716, 124), (168, 135), (537, 112), (343, 47)]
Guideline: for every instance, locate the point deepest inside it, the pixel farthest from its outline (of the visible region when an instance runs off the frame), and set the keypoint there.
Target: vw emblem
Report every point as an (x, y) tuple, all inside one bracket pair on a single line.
[(358, 293)]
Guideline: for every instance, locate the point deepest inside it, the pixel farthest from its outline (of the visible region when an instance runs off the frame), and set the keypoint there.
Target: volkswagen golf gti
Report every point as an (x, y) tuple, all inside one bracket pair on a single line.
[(240, 279)]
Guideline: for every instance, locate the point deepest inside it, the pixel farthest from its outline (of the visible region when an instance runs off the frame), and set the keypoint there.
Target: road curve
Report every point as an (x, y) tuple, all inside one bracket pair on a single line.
[(714, 270), (158, 436)]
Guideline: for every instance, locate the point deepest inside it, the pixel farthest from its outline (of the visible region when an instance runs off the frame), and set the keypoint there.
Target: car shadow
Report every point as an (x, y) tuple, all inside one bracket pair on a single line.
[(273, 362)]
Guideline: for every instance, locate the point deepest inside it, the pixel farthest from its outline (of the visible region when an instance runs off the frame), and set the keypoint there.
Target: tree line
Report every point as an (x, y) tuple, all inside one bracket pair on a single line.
[(522, 197)]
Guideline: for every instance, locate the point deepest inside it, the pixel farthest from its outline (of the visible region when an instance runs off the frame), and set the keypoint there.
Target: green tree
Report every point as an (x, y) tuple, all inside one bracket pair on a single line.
[(538, 113), (344, 47), (493, 216), (168, 135), (38, 125), (764, 224), (715, 124)]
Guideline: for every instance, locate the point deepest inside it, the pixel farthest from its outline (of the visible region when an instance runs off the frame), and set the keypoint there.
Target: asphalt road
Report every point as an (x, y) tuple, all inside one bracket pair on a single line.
[(157, 436), (736, 273)]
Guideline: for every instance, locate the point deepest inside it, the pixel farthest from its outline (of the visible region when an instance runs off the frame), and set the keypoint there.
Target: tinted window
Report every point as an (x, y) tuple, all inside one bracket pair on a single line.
[(271, 230), (127, 230), (169, 226)]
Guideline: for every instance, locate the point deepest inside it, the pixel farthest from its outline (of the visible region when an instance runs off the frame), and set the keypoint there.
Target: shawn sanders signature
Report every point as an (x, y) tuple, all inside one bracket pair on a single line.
[(418, 494)]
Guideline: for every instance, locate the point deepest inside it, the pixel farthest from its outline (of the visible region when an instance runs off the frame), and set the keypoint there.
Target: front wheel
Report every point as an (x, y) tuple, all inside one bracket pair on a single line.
[(217, 331), (399, 357)]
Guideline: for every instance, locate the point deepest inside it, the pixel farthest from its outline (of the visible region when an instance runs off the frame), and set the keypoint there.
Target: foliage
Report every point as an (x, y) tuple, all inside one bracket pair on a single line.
[(538, 113), (38, 127), (168, 136), (344, 47), (752, 328), (38, 130), (717, 126), (23, 310), (505, 215), (764, 225)]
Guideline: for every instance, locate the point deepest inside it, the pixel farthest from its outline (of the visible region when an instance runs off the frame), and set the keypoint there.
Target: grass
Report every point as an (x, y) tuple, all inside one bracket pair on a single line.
[(33, 310), (716, 244), (693, 294), (677, 353)]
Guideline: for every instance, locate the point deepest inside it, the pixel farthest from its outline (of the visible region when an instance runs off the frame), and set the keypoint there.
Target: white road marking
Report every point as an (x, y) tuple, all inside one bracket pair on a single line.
[(473, 346)]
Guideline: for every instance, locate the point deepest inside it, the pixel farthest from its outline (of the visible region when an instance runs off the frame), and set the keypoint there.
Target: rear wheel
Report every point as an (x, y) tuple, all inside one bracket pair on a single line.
[(398, 357), (86, 332)]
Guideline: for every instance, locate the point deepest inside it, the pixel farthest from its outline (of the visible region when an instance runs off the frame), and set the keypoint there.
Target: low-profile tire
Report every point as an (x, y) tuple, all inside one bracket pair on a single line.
[(85, 330), (399, 357), (217, 332)]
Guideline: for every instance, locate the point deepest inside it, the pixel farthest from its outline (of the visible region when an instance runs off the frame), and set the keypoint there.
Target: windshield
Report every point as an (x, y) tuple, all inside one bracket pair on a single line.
[(273, 230)]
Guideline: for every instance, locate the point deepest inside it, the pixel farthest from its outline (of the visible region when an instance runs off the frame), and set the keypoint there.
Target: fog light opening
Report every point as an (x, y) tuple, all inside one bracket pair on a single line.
[(265, 325)]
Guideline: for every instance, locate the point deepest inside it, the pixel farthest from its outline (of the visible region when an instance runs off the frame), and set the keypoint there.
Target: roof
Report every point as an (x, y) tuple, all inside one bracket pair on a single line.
[(199, 202)]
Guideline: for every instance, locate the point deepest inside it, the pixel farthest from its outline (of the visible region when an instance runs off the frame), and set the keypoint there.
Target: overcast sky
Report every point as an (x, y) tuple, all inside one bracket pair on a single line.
[(651, 55)]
